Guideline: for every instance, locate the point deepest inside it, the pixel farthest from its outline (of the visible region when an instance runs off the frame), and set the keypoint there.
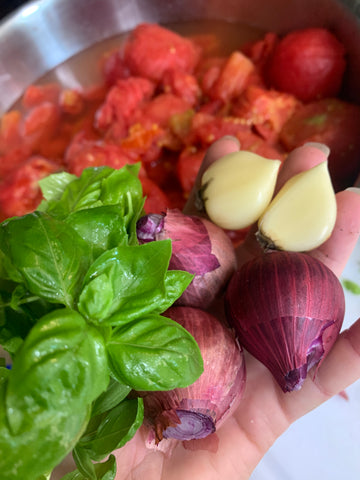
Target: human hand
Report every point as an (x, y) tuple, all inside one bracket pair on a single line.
[(265, 411)]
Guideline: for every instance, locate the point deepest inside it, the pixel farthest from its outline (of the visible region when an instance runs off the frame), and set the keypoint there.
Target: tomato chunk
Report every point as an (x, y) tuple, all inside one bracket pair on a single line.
[(122, 101), (265, 110), (151, 50), (20, 192)]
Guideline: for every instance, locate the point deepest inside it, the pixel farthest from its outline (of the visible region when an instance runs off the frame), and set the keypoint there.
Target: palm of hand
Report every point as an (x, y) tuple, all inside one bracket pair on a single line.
[(265, 411)]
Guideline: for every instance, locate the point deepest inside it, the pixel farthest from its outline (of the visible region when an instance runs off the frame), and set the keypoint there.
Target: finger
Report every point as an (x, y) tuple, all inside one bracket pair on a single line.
[(218, 149), (300, 159), (336, 251)]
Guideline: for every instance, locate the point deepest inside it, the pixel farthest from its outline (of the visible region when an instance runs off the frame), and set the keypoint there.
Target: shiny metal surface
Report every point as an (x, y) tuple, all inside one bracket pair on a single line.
[(45, 33)]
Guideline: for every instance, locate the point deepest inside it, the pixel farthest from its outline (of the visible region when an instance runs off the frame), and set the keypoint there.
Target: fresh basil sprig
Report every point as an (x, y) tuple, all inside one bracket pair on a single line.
[(80, 315)]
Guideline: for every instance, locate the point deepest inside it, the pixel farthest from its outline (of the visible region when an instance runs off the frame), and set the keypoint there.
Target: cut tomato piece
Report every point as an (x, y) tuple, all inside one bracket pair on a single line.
[(151, 50), (160, 110), (87, 153), (156, 200), (266, 110), (260, 51), (35, 95), (71, 102), (188, 166), (40, 124), (183, 85), (122, 100), (113, 67), (20, 192), (334, 123), (233, 77), (10, 136)]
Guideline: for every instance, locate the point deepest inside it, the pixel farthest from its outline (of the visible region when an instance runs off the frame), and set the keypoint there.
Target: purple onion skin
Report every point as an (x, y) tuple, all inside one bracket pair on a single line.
[(197, 411), (287, 309), (199, 247)]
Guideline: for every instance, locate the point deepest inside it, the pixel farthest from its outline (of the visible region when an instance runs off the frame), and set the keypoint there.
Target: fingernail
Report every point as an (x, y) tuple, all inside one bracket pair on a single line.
[(232, 138), (354, 189), (320, 146)]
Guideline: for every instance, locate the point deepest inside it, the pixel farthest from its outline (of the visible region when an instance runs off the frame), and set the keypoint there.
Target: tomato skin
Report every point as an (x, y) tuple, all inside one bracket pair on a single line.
[(308, 63), (334, 123)]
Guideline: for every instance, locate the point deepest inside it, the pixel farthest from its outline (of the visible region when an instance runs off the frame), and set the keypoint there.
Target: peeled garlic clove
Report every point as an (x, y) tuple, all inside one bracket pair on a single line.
[(302, 215), (237, 188)]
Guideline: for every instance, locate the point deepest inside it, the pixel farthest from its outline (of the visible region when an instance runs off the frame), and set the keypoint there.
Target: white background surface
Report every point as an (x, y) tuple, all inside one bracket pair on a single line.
[(325, 444)]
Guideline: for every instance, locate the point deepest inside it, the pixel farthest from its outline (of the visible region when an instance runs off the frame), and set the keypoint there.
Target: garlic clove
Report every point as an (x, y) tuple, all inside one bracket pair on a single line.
[(303, 213), (237, 188)]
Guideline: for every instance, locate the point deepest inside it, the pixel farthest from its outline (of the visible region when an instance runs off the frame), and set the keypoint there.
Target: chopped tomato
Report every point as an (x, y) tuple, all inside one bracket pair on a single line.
[(113, 67), (37, 94), (183, 85), (10, 136), (207, 128), (144, 142), (20, 192), (334, 123), (71, 102), (40, 124), (188, 166), (232, 78), (160, 109), (151, 50), (308, 63), (260, 51), (156, 200), (265, 110), (122, 100), (89, 153)]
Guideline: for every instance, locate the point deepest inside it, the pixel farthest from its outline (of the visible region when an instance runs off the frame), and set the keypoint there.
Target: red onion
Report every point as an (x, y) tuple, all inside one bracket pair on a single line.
[(199, 247), (287, 309), (198, 410)]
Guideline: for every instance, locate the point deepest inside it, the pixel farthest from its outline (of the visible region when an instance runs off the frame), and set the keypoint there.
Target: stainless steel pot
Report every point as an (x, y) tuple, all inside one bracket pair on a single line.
[(44, 33)]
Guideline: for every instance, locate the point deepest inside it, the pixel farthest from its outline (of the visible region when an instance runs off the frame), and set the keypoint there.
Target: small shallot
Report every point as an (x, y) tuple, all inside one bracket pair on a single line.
[(287, 309), (198, 247), (197, 411)]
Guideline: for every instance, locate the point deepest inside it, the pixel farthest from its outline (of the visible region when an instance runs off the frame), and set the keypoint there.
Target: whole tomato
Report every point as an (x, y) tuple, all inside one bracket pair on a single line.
[(308, 63)]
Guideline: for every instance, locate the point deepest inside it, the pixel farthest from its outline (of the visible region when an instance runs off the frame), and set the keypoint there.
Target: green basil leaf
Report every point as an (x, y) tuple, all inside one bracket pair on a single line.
[(103, 228), (154, 353), (62, 364), (116, 428), (128, 282), (83, 192), (48, 440), (103, 471), (115, 393), (7, 270), (59, 370), (50, 256), (84, 464), (14, 327), (53, 186), (123, 188)]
